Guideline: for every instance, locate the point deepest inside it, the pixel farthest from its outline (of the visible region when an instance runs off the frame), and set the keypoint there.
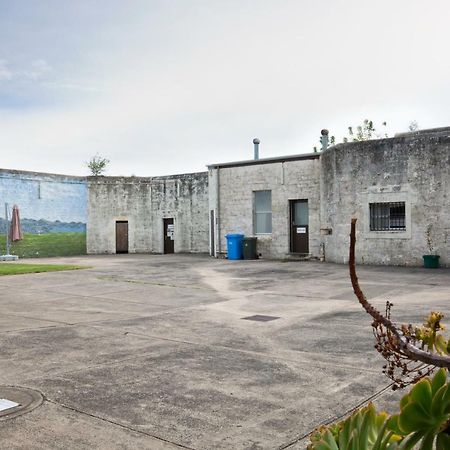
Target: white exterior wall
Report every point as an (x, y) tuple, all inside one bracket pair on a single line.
[(289, 180)]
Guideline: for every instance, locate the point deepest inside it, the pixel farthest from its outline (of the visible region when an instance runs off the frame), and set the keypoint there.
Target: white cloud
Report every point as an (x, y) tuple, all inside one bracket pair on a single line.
[(170, 86), (35, 70), (5, 72)]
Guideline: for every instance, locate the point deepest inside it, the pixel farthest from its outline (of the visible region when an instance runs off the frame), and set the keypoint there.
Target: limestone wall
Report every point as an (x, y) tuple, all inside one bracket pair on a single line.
[(288, 180), (144, 203), (414, 169)]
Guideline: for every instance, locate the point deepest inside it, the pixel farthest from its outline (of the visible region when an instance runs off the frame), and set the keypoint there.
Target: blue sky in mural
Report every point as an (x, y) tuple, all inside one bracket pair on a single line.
[(163, 87)]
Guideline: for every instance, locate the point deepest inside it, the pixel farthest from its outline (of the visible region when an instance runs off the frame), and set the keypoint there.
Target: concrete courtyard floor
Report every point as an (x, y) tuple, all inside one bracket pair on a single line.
[(152, 352)]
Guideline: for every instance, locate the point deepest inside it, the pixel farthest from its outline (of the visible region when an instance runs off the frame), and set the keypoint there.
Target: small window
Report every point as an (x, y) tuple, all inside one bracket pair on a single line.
[(387, 216), (262, 221)]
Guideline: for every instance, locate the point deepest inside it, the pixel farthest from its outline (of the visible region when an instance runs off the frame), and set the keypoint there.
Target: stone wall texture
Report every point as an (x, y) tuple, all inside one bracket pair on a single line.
[(144, 203), (290, 180), (413, 168)]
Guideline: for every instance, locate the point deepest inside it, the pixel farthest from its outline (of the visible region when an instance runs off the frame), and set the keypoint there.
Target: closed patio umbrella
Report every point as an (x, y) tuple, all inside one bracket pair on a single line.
[(15, 231)]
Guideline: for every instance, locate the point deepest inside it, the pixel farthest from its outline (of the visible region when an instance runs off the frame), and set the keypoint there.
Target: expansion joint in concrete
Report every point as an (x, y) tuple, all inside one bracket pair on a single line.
[(112, 422), (339, 417)]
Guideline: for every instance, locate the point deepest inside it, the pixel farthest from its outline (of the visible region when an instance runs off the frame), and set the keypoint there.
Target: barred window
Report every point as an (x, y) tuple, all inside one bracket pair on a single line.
[(262, 220), (387, 216)]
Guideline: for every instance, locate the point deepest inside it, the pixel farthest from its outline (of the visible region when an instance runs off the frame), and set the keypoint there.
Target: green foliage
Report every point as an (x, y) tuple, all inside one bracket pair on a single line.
[(364, 430), (17, 268), (47, 245), (429, 238), (413, 125), (364, 132), (423, 420), (97, 165)]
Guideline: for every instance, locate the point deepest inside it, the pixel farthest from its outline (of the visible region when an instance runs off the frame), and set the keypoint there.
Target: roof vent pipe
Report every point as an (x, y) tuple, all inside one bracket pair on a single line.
[(324, 139), (256, 142)]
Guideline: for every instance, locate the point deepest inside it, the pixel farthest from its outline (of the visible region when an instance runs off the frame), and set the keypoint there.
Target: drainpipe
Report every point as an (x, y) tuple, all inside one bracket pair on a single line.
[(256, 142), (218, 248)]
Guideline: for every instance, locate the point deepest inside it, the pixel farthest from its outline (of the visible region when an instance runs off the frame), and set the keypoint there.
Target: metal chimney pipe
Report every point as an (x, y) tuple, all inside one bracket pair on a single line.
[(256, 142), (324, 139)]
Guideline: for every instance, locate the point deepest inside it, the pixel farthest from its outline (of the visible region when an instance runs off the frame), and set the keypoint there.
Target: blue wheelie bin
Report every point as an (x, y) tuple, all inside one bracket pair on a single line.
[(234, 245)]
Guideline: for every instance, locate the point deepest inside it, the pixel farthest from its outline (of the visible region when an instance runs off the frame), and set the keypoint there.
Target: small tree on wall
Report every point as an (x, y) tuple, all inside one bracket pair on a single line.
[(97, 165)]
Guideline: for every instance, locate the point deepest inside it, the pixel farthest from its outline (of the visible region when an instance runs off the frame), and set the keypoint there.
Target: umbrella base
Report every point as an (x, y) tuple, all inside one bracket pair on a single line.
[(9, 257)]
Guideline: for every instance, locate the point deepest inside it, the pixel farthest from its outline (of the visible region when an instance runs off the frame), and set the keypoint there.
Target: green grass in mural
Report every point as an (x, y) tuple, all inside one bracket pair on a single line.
[(8, 268), (46, 245)]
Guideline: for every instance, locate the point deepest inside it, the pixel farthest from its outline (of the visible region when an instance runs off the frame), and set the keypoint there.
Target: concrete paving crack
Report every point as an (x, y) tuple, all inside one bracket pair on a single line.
[(118, 424), (338, 417), (37, 318)]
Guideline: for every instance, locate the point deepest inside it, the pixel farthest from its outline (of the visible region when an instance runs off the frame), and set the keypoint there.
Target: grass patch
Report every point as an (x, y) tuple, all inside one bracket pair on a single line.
[(47, 245), (7, 268)]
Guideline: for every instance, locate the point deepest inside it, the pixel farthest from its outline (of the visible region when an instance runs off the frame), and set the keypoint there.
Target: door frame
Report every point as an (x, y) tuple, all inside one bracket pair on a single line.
[(122, 251), (292, 226), (168, 248)]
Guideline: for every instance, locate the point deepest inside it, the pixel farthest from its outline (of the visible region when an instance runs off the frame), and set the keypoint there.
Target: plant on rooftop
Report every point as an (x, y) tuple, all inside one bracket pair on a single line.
[(363, 132), (413, 126), (412, 353), (97, 165)]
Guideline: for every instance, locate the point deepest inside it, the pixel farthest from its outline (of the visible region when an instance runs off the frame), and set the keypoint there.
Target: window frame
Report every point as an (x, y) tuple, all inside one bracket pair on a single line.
[(387, 194), (265, 212), (383, 218)]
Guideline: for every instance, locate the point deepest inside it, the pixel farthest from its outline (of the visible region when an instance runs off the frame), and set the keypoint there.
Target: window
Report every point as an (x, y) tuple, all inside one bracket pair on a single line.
[(387, 216), (262, 220)]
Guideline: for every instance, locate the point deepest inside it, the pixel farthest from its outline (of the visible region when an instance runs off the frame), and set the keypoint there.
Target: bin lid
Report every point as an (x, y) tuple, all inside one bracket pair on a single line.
[(250, 238), (234, 235)]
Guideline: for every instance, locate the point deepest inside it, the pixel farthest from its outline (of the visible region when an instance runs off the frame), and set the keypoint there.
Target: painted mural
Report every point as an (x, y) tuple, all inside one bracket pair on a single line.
[(53, 212)]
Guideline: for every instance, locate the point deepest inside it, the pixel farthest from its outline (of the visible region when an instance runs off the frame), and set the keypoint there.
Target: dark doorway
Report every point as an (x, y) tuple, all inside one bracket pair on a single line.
[(299, 226), (122, 236), (169, 232)]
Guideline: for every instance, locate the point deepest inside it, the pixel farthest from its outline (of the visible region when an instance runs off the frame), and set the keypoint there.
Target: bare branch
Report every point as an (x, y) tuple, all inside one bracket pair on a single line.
[(401, 342)]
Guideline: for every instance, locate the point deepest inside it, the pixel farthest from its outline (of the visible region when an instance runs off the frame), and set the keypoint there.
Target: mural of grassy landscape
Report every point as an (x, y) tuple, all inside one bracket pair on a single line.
[(46, 245)]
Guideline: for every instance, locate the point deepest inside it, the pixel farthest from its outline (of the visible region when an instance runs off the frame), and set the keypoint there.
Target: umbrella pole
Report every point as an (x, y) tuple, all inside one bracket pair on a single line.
[(6, 229)]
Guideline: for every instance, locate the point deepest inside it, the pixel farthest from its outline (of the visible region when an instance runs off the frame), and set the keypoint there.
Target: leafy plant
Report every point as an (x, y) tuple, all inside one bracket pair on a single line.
[(429, 237), (97, 165), (364, 132), (364, 430), (413, 126), (424, 419)]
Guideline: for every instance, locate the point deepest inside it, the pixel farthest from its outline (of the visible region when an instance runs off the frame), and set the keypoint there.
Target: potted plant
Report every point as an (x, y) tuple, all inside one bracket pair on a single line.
[(430, 261)]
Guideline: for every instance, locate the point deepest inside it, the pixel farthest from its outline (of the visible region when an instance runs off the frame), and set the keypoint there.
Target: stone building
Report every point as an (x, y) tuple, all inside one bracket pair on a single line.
[(148, 215), (297, 205), (275, 199), (398, 188)]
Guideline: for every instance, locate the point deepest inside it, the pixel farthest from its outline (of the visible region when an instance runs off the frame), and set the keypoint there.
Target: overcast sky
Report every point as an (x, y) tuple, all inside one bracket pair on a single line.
[(165, 87)]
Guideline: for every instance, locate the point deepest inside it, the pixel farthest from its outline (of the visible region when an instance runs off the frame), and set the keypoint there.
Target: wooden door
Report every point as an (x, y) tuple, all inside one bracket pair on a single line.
[(299, 226), (122, 236), (169, 236)]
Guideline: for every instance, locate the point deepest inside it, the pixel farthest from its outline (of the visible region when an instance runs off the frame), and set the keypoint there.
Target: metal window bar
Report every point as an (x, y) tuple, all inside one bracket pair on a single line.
[(387, 216)]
